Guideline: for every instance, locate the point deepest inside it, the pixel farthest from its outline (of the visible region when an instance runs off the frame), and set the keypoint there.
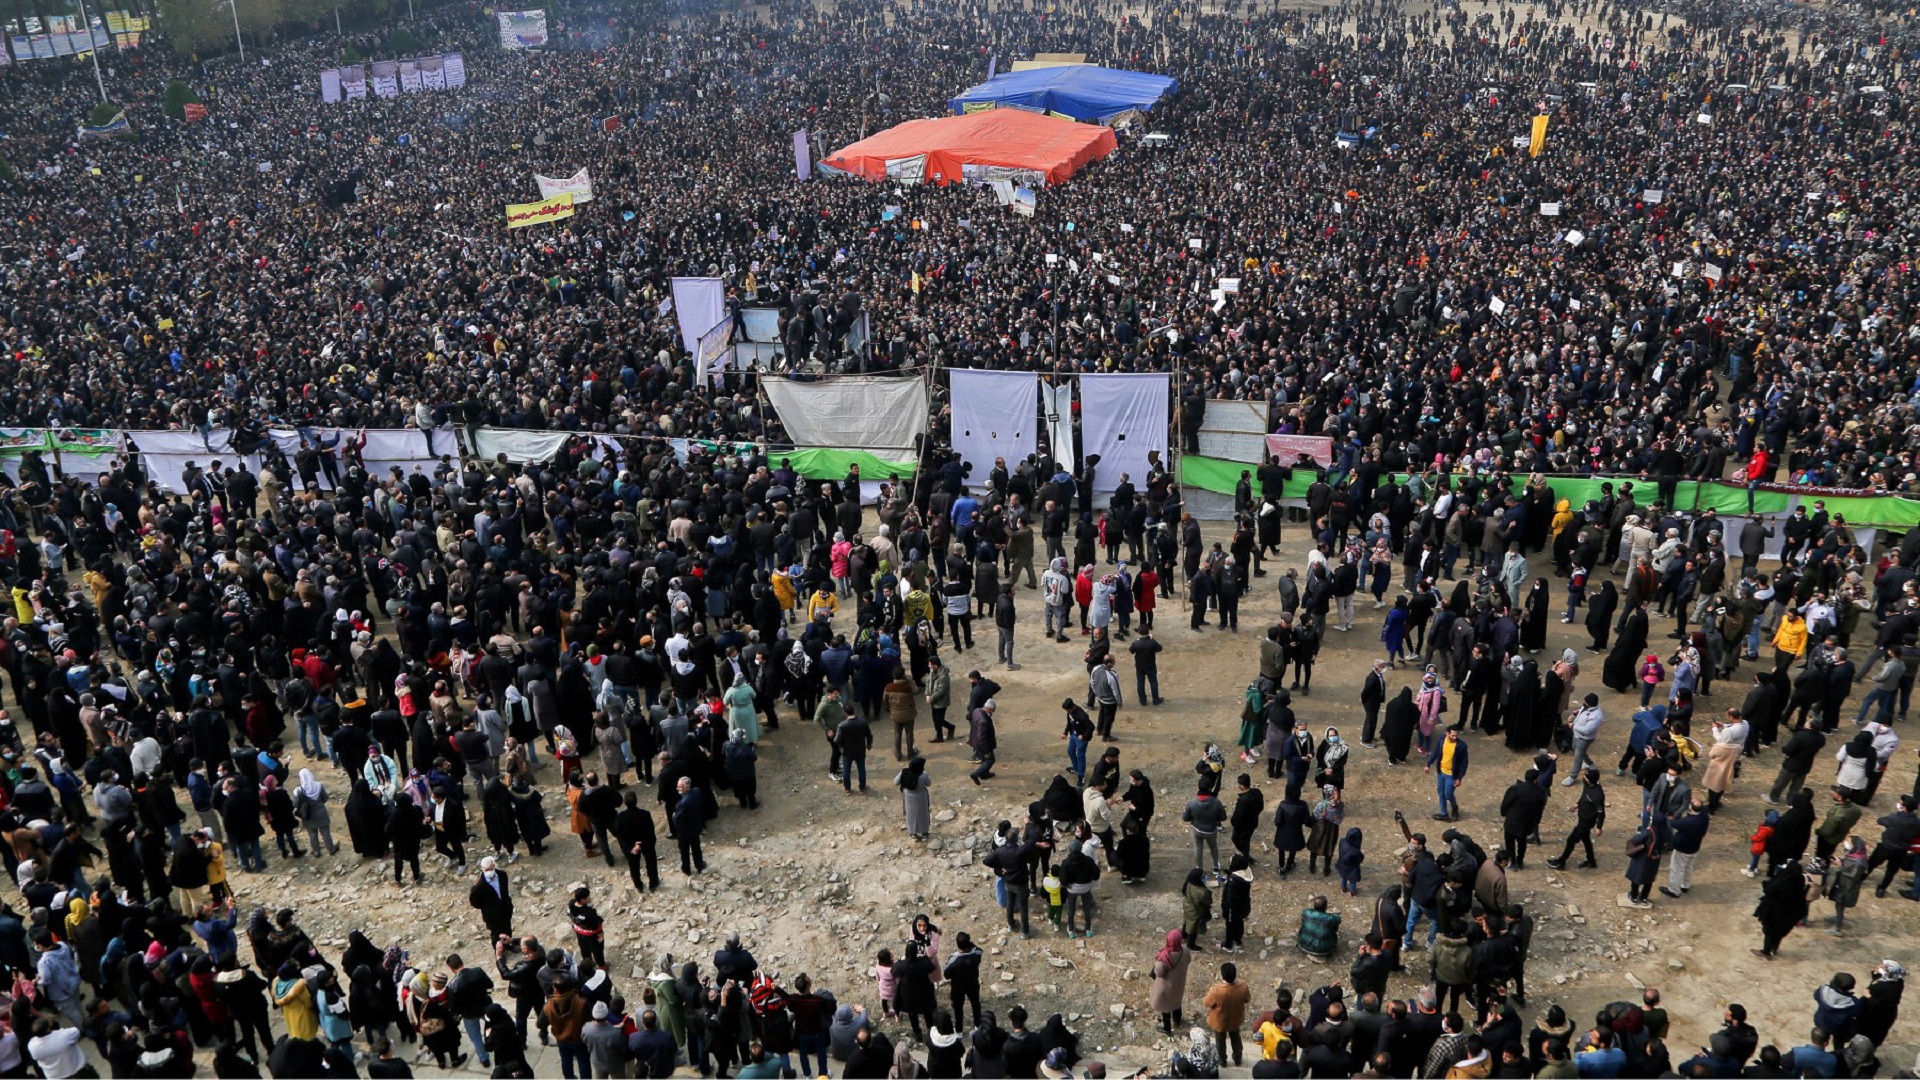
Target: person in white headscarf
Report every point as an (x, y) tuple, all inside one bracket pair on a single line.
[(310, 809)]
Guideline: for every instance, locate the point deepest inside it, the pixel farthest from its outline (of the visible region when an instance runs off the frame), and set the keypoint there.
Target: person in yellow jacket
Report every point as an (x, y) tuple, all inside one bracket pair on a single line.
[(823, 602), (295, 998), (1790, 641), (783, 592), (1562, 516), (217, 872)]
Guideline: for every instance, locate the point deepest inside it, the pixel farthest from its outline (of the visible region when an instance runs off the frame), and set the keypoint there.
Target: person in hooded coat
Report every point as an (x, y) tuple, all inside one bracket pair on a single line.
[(916, 797), (946, 1050), (1783, 906), (1534, 616), (1522, 699), (1793, 832), (1623, 660), (1396, 731), (504, 1041), (1064, 805), (1600, 611), (366, 822), (497, 814), (742, 774), (533, 820), (1290, 820)]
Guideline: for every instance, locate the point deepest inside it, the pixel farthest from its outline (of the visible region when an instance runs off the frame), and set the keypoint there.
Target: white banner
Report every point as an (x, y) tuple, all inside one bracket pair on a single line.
[(802, 155), (699, 303), (992, 415), (519, 446), (855, 412), (1122, 417), (455, 67), (522, 29), (579, 185), (330, 87), (385, 77), (1056, 402)]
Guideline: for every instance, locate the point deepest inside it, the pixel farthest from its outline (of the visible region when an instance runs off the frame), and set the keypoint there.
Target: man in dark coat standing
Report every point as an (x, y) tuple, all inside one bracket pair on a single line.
[(492, 896)]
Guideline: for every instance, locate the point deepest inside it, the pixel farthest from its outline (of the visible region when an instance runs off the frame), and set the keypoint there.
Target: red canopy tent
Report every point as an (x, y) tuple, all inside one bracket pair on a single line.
[(1009, 138)]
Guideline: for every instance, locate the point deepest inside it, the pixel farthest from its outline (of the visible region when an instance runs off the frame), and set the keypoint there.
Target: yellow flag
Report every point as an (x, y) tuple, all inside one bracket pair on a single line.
[(1539, 136), (520, 215)]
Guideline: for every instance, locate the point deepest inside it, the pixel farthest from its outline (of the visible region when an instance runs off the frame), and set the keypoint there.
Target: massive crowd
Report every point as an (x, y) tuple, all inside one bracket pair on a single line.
[(464, 656)]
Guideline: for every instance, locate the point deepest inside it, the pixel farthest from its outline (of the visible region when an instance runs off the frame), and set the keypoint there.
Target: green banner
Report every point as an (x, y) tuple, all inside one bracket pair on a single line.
[(1726, 498), (819, 464)]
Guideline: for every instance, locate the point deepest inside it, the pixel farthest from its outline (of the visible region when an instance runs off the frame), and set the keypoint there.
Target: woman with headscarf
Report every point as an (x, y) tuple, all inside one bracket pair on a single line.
[(986, 1048), (1168, 994), (1393, 633), (84, 931), (501, 825), (1197, 1060), (566, 749), (297, 1010), (1783, 906), (916, 797), (1133, 851), (1403, 716), (366, 822), (532, 818), (1196, 907), (1521, 701), (277, 805), (1332, 758), (310, 807), (1599, 619), (1858, 760), (1792, 832), (1623, 660), (1323, 839), (1534, 616), (504, 1041), (667, 1003), (370, 1001), (1645, 849), (742, 711), (739, 757), (1844, 880), (432, 1016)]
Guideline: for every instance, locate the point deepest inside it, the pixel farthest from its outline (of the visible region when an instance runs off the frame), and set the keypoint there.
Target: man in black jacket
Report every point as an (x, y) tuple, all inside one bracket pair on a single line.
[(1520, 810), (633, 829), (1899, 830), (1796, 761), (1590, 818), (469, 994), (492, 896)]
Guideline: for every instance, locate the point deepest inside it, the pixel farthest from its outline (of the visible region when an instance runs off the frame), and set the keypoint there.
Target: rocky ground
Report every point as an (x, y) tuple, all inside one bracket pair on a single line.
[(818, 880)]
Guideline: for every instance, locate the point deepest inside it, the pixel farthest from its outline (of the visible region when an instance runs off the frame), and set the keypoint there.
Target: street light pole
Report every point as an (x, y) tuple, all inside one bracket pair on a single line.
[(237, 43), (93, 50)]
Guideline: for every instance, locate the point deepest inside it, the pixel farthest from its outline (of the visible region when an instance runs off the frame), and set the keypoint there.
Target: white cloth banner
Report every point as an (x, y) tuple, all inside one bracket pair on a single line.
[(410, 76), (802, 155), (992, 416), (579, 185), (385, 76), (1056, 402), (330, 86), (520, 447), (455, 68), (386, 449), (166, 455), (1122, 417), (699, 303), (856, 412), (522, 29)]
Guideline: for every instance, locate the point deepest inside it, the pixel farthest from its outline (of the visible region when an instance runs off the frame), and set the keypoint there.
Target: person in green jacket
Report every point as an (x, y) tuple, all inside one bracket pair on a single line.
[(1319, 929), (939, 695), (666, 999), (828, 715)]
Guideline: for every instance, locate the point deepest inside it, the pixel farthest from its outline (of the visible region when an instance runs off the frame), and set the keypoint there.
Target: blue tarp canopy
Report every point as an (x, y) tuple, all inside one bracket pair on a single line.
[(1082, 92)]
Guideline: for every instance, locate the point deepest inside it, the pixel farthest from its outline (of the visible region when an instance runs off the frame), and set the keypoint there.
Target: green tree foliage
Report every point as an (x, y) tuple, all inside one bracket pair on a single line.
[(179, 95)]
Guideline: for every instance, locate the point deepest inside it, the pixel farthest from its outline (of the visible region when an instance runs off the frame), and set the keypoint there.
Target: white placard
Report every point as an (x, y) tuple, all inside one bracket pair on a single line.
[(1652, 196), (1711, 272), (1549, 209), (1125, 228), (1703, 118), (1680, 269), (1229, 284), (1052, 259), (1195, 243), (1574, 236), (1339, 208), (1497, 306), (1574, 304), (1521, 142), (1113, 279)]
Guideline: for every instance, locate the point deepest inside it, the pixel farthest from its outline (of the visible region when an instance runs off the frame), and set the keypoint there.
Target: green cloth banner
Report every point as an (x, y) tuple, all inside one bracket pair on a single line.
[(1883, 511), (819, 464)]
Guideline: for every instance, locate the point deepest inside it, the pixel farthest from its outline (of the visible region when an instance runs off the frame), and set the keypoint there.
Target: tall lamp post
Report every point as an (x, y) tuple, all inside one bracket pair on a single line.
[(93, 50), (234, 5)]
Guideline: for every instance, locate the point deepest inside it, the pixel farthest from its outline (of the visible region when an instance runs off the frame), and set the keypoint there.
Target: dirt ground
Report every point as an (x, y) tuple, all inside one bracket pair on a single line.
[(818, 880)]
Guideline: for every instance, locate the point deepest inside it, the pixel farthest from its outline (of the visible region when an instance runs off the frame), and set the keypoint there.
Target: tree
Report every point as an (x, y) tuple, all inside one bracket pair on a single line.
[(179, 95), (103, 114), (207, 25), (402, 43)]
